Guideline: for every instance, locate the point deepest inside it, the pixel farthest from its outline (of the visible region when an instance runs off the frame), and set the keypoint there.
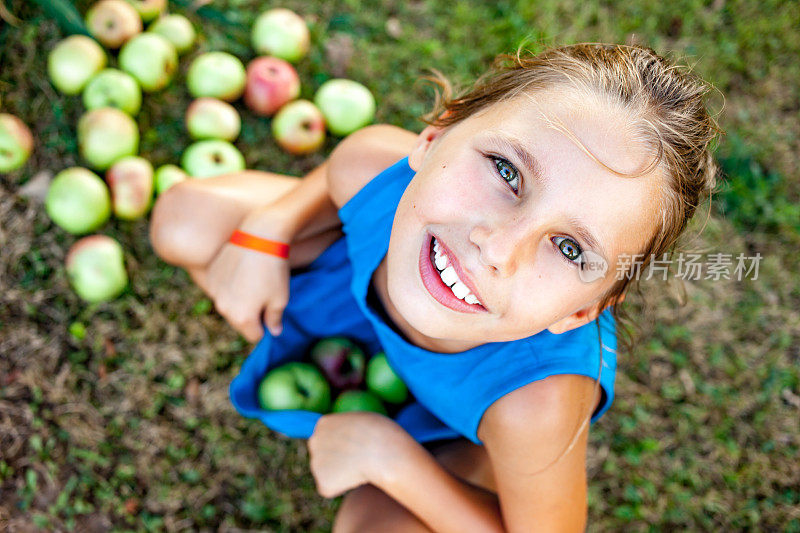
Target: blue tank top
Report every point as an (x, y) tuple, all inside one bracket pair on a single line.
[(333, 296)]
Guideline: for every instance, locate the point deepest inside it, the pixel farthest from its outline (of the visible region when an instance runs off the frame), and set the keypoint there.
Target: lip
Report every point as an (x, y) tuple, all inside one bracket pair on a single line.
[(436, 287)]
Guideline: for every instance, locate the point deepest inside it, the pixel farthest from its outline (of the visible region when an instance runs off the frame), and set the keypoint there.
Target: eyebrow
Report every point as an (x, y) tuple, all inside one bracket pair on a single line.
[(510, 144), (588, 237)]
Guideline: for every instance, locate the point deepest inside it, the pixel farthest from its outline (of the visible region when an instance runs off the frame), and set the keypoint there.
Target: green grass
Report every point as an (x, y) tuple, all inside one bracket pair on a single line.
[(116, 416)]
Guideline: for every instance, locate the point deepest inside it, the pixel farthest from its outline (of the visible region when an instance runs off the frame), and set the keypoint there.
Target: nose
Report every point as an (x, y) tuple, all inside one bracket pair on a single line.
[(501, 247)]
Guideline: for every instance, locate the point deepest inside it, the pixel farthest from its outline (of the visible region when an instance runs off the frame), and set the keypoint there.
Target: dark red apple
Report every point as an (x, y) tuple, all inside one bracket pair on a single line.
[(271, 82), (341, 361)]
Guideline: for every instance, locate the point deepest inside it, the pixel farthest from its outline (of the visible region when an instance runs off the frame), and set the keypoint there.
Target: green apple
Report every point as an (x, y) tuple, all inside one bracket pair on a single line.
[(73, 61), (205, 159), (346, 104), (210, 118), (105, 135), (151, 59), (281, 33), (148, 9), (358, 400), (383, 381), (168, 175), (113, 88), (299, 127), (177, 29), (218, 75), (16, 143), (96, 268), (78, 201), (131, 182), (112, 22), (295, 385)]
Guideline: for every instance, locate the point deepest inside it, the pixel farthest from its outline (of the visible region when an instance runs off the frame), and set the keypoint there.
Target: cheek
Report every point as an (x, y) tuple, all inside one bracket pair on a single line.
[(455, 193)]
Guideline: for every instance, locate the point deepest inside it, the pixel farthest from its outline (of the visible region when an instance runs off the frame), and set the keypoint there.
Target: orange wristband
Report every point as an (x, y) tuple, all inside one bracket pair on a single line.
[(245, 240)]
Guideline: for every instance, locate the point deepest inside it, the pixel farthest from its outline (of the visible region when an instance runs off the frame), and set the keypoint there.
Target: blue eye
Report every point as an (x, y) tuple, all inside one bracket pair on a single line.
[(569, 250), (507, 171)]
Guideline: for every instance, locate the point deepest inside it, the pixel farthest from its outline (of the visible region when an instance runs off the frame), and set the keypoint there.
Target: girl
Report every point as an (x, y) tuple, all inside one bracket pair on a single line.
[(484, 255)]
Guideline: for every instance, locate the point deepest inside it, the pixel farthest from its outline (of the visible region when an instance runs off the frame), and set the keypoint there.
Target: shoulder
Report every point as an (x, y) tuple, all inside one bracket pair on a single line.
[(362, 155), (556, 404)]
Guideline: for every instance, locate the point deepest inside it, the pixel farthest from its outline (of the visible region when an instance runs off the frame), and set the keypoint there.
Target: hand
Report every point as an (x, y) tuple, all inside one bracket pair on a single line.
[(247, 285), (354, 448)]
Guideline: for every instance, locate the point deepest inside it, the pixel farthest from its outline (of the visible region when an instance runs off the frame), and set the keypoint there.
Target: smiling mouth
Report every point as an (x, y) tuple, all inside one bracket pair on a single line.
[(438, 288)]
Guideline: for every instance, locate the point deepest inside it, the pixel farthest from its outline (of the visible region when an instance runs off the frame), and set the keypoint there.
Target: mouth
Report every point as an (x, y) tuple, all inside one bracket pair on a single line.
[(446, 291)]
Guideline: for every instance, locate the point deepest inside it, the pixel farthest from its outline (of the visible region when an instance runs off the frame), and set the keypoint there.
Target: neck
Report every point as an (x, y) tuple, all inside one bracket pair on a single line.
[(410, 334)]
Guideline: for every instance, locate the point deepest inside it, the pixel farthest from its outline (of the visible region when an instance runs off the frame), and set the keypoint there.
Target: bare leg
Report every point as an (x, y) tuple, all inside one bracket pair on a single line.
[(369, 509)]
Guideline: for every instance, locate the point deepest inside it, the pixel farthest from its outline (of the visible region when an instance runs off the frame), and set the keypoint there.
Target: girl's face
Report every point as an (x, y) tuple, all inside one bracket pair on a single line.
[(515, 205)]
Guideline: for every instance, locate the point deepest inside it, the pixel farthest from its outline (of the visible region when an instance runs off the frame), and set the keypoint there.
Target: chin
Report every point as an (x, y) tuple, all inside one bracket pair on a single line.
[(411, 300)]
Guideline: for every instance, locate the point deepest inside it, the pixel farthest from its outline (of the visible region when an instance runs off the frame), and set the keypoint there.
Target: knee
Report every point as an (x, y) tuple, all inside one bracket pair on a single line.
[(175, 229), (368, 509)]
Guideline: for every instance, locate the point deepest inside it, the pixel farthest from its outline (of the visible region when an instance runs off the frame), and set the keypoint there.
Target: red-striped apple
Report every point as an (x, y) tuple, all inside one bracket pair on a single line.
[(271, 83)]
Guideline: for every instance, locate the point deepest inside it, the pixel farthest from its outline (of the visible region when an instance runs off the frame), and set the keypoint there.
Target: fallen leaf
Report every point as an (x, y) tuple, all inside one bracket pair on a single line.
[(36, 188)]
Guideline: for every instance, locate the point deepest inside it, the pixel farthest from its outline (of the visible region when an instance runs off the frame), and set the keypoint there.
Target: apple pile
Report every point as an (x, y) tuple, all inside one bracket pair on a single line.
[(340, 368), (80, 201)]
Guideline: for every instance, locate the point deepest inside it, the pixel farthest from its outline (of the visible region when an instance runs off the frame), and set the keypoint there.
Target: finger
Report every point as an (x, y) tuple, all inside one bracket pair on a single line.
[(273, 318)]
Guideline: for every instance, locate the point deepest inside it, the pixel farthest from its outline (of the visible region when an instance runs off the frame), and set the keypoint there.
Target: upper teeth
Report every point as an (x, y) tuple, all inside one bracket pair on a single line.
[(449, 276)]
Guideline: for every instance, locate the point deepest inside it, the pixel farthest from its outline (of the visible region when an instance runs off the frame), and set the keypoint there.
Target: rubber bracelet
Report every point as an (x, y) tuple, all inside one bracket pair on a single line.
[(245, 240)]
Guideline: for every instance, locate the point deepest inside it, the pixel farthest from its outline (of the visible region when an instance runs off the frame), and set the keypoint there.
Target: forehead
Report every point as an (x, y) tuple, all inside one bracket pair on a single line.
[(621, 211)]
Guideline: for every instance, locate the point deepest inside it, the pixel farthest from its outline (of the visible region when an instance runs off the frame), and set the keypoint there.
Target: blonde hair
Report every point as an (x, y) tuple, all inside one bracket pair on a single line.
[(666, 104)]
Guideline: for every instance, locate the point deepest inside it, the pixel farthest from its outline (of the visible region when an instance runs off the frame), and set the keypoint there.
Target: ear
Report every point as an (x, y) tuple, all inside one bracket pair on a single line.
[(425, 140), (581, 317)]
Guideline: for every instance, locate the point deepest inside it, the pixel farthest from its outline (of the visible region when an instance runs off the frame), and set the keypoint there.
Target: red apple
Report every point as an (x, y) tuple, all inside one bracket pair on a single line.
[(112, 22), (271, 83), (210, 118), (16, 142), (299, 127), (341, 361), (131, 182)]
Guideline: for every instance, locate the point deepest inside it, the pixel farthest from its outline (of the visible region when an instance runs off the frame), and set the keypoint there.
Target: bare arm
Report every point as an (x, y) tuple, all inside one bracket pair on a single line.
[(319, 195), (523, 432)]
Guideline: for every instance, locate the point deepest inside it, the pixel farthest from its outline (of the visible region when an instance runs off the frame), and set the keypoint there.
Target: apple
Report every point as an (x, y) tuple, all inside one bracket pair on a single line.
[(346, 104), (383, 381), (151, 59), (299, 127), (131, 182), (168, 175), (282, 33), (105, 135), (96, 268), (205, 159), (341, 361), (148, 9), (16, 143), (113, 88), (78, 201), (112, 22), (73, 61), (216, 74), (271, 83), (295, 385), (210, 118), (358, 400), (177, 29)]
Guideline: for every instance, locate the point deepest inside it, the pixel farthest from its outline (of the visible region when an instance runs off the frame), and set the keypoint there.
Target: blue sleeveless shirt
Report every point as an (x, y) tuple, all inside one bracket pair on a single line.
[(333, 296)]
